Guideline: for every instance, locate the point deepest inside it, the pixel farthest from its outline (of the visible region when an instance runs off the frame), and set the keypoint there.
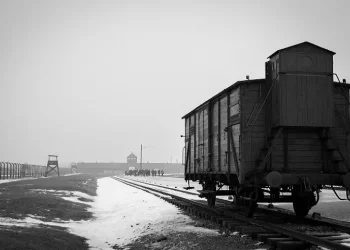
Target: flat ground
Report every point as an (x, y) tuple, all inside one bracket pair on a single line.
[(26, 198)]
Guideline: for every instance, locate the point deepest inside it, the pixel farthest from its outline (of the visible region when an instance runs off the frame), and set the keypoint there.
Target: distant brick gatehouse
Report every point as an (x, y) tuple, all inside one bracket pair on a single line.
[(131, 161)]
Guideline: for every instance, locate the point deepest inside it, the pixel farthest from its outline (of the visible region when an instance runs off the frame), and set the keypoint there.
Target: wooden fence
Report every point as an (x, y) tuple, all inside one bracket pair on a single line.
[(10, 170)]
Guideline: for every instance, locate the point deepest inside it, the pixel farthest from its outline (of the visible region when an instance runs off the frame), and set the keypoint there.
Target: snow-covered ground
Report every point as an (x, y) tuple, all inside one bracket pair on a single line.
[(122, 214)]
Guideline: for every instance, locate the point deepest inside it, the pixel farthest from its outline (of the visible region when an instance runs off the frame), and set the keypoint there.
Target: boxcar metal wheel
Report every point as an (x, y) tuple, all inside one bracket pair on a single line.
[(301, 207), (211, 186), (303, 203), (250, 205), (211, 200)]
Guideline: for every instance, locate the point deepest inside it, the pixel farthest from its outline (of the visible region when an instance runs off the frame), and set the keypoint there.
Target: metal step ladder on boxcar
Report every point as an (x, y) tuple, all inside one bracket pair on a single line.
[(267, 150)]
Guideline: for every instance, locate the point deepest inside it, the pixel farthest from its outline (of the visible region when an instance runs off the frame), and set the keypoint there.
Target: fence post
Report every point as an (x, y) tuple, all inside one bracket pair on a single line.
[(16, 170), (20, 171), (10, 170), (7, 170), (13, 169)]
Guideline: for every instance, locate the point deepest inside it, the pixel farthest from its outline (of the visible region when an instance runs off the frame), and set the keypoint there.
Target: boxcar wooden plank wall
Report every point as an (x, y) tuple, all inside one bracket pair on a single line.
[(305, 100), (201, 161), (253, 137), (304, 152), (205, 140), (187, 139), (341, 122), (223, 135), (215, 136), (192, 134), (235, 122), (302, 94), (199, 131)]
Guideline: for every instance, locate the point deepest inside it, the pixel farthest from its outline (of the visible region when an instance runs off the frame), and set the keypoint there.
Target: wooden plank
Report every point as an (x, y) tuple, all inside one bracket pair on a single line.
[(286, 154), (297, 166), (300, 141), (300, 153), (235, 119), (234, 153), (249, 107), (252, 86), (300, 159), (300, 147), (338, 130), (303, 136), (235, 95), (235, 109)]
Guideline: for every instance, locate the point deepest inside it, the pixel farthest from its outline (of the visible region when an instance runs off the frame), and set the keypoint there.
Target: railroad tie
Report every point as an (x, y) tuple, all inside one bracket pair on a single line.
[(213, 218), (220, 220), (194, 211), (236, 225), (225, 223), (292, 245), (336, 238), (264, 236), (208, 215), (252, 231), (200, 214), (273, 241), (204, 215), (324, 234)]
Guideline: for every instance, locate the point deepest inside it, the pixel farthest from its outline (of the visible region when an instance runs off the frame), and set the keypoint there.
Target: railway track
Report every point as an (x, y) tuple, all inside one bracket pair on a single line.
[(277, 229)]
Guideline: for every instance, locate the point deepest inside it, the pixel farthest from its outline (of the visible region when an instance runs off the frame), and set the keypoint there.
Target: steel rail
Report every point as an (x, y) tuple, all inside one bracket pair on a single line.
[(267, 211), (175, 189), (291, 233), (171, 195), (225, 202)]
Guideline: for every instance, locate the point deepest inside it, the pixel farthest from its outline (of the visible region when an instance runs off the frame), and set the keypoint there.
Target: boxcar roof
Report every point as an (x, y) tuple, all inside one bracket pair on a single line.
[(308, 43), (235, 85), (238, 83)]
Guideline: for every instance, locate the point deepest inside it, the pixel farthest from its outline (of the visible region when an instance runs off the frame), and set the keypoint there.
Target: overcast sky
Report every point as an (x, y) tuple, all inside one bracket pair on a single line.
[(93, 80)]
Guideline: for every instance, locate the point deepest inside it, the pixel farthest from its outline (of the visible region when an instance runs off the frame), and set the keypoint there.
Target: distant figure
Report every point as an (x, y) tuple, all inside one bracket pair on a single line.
[(158, 172), (162, 172)]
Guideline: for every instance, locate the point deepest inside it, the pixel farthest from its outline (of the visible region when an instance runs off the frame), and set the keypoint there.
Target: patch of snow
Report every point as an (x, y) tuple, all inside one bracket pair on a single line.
[(124, 213), (198, 230), (72, 193), (75, 199)]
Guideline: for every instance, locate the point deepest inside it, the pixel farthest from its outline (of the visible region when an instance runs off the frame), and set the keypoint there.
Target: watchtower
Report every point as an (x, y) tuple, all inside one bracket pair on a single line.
[(52, 165), (74, 168)]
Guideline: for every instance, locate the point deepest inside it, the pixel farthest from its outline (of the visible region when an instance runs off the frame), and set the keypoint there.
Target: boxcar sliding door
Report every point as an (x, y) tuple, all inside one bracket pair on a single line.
[(215, 137), (202, 141), (235, 126)]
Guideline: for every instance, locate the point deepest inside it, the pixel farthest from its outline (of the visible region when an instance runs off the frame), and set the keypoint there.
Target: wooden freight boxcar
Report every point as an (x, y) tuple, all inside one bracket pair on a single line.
[(287, 133)]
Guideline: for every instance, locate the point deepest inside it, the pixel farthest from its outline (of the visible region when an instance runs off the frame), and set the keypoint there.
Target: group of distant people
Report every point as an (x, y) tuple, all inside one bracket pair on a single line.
[(145, 172)]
